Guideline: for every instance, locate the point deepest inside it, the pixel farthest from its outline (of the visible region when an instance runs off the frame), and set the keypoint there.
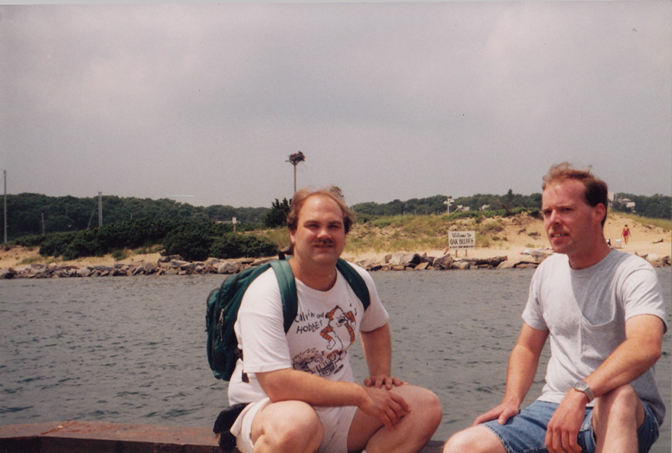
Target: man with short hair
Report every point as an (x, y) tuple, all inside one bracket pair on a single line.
[(300, 384), (605, 315)]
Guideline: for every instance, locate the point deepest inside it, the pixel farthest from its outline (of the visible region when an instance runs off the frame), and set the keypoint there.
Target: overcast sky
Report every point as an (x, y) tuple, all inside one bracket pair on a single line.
[(386, 100)]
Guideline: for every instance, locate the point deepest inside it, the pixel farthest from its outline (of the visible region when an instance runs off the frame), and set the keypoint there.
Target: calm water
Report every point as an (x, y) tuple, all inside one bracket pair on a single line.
[(132, 350)]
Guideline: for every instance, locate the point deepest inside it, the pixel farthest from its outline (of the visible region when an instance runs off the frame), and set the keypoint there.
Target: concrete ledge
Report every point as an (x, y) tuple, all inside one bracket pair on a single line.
[(98, 437)]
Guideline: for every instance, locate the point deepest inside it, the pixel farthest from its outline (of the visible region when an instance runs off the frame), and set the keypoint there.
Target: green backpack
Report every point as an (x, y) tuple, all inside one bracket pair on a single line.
[(223, 304)]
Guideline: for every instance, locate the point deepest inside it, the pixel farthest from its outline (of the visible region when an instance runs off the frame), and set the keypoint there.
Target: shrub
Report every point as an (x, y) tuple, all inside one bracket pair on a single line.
[(190, 245), (30, 241), (120, 254), (237, 245), (482, 241), (133, 234)]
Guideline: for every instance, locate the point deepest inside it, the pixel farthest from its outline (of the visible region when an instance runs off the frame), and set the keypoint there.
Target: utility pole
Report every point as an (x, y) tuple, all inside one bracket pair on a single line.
[(448, 202), (294, 159), (100, 209), (4, 178)]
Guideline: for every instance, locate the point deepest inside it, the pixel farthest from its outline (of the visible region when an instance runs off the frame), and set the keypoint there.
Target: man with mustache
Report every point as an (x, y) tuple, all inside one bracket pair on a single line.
[(605, 315), (302, 395)]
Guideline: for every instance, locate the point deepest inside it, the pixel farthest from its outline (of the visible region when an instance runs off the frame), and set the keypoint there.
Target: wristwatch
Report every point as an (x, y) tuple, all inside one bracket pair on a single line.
[(582, 386)]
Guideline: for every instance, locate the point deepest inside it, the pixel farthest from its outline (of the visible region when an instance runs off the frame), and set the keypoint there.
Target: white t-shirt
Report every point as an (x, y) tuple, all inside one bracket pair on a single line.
[(326, 325), (585, 312)]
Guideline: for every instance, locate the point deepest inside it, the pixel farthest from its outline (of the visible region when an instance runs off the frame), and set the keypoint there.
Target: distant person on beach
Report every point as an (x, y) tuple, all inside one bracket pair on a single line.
[(626, 234), (300, 385), (605, 315)]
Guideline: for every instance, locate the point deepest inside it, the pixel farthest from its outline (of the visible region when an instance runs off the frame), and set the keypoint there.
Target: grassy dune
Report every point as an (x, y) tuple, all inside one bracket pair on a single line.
[(376, 236)]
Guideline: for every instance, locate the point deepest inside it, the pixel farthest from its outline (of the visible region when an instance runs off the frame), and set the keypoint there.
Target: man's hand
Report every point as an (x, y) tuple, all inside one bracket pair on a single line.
[(565, 424), (381, 380), (386, 406), (502, 413)]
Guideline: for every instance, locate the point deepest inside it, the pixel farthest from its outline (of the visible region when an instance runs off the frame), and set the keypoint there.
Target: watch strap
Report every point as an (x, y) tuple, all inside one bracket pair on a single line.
[(583, 387)]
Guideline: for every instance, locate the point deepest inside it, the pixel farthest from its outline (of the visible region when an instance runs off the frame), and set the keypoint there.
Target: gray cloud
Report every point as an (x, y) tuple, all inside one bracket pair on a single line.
[(387, 100)]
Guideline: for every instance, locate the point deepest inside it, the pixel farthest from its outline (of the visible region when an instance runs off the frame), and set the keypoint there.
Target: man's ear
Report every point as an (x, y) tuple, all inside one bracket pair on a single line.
[(600, 211), (292, 237)]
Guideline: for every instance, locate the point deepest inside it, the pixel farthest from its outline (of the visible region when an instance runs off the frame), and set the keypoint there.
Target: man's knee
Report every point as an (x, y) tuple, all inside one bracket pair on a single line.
[(623, 396), (290, 426), (477, 439), (424, 404), (460, 442), (621, 405)]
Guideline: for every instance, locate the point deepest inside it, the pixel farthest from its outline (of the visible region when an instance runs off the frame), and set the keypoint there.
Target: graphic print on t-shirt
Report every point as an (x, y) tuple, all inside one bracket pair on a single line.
[(337, 336)]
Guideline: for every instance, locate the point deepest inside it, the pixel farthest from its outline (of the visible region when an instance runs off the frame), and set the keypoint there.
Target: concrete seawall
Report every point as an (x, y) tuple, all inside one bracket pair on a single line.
[(99, 437)]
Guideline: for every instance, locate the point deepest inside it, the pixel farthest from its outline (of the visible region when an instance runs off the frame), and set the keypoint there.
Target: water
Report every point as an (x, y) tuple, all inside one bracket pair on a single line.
[(132, 350)]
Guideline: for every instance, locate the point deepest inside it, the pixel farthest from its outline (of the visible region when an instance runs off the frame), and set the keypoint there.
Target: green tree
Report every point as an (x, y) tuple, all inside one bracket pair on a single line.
[(277, 216), (59, 223)]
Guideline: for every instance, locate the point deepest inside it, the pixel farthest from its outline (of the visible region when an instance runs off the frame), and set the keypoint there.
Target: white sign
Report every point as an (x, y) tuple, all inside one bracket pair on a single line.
[(234, 220), (461, 240)]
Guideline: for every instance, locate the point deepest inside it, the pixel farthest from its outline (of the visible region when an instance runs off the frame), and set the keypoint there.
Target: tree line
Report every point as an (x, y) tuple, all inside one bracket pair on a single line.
[(656, 206), (436, 204), (34, 214), (195, 233)]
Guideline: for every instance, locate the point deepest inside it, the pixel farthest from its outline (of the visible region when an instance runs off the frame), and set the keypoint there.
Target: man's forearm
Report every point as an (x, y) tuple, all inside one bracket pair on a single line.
[(292, 385), (523, 363), (289, 384), (520, 374), (632, 357)]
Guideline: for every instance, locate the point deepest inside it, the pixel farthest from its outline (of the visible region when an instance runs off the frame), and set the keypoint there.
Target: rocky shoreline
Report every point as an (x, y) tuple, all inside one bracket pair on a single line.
[(175, 265)]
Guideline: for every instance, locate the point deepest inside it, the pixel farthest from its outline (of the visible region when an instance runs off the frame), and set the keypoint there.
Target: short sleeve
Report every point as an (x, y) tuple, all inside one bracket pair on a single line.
[(375, 316), (643, 295), (260, 331), (532, 314)]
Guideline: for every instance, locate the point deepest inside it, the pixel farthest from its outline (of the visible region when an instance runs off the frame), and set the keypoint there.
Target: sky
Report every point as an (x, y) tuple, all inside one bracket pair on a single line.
[(204, 103)]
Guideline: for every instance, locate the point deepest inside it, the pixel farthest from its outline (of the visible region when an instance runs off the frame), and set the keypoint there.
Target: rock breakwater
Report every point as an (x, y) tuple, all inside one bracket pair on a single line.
[(175, 265)]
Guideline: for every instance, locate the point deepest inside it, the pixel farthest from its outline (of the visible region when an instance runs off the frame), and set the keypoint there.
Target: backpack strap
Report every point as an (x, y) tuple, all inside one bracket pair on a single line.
[(287, 284), (355, 281)]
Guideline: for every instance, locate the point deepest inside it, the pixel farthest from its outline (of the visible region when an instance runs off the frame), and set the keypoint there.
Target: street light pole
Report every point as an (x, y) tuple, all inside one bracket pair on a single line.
[(448, 202), (4, 178), (100, 209)]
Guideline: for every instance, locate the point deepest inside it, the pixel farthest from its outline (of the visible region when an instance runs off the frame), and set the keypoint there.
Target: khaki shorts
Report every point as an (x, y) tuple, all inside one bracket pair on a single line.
[(336, 422)]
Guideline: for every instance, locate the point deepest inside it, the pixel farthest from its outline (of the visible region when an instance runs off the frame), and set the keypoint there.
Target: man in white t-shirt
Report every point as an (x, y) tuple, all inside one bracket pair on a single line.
[(604, 313), (300, 384)]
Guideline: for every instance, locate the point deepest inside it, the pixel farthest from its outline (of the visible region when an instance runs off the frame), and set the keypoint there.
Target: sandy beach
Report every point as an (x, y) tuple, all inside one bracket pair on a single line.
[(520, 237), (644, 240)]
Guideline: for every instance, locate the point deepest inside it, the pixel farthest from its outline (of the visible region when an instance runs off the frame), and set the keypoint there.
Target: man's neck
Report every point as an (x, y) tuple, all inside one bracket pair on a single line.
[(321, 278), (591, 257)]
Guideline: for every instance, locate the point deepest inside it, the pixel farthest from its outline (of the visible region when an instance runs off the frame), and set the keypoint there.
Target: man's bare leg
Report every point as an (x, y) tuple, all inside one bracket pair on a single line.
[(477, 439), (616, 418), (287, 427), (409, 436)]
